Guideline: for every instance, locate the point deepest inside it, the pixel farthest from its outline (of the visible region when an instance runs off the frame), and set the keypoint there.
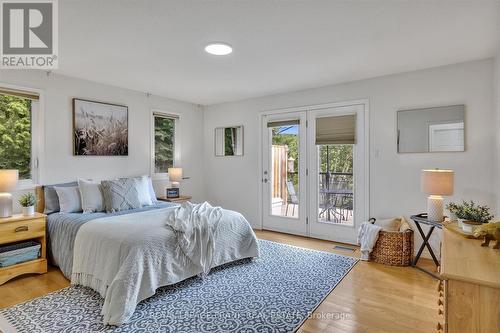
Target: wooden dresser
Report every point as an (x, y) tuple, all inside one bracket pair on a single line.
[(469, 295)]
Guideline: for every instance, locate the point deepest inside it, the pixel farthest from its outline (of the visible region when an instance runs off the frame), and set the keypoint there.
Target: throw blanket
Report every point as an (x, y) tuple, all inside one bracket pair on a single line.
[(194, 227), (126, 258), (367, 237)]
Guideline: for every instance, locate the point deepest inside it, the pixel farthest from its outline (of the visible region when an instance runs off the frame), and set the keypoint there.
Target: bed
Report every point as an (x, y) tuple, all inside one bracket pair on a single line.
[(126, 256)]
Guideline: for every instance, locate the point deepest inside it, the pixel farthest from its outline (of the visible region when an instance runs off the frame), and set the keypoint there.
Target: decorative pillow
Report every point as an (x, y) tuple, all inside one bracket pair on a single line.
[(91, 193), (120, 194), (152, 193), (51, 198), (69, 199), (389, 224), (142, 186)]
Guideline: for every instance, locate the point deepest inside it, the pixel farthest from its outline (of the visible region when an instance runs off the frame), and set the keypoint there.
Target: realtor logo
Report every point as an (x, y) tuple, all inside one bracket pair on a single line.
[(29, 34)]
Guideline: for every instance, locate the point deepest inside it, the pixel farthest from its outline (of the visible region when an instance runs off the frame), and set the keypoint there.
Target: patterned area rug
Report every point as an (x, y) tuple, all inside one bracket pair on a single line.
[(274, 293)]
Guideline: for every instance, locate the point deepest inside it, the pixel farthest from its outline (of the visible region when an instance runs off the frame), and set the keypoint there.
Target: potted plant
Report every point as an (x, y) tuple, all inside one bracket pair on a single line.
[(27, 202), (470, 215)]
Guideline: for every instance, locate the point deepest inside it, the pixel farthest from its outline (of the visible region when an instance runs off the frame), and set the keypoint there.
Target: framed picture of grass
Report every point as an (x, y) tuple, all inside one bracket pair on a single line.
[(99, 129)]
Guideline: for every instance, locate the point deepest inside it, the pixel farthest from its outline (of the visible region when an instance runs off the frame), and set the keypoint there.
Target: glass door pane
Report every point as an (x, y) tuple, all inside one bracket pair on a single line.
[(284, 175), (335, 184)]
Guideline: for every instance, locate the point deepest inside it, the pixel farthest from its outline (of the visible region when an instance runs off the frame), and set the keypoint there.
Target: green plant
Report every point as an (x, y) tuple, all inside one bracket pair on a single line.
[(27, 200), (470, 211)]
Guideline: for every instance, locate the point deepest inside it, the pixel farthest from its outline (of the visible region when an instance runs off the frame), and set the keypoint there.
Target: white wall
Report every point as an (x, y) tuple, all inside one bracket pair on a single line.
[(394, 178), (58, 162), (496, 87)]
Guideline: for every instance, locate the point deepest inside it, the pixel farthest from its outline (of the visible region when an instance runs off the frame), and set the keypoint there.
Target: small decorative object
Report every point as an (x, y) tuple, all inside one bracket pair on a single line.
[(99, 128), (172, 193), (27, 202), (175, 176), (436, 183), (470, 215), (8, 182), (489, 232)]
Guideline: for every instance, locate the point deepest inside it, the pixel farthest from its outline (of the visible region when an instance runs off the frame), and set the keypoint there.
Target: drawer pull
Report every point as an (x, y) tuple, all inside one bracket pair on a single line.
[(440, 302), (21, 228)]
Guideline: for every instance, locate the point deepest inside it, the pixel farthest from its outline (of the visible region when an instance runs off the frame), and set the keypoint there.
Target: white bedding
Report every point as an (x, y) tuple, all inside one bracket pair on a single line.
[(126, 258)]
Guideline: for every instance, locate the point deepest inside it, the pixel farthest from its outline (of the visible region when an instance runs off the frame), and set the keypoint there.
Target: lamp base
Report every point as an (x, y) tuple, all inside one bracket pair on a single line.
[(435, 208), (5, 205)]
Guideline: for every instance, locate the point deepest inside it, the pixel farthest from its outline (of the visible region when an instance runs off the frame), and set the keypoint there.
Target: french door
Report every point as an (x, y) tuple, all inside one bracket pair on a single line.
[(284, 172), (314, 171)]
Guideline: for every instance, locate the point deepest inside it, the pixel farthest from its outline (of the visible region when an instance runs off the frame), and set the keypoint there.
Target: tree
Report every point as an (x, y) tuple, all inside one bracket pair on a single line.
[(15, 134), (164, 144)]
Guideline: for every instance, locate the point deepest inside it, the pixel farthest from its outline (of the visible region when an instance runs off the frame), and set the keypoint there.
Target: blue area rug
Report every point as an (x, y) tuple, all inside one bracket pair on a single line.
[(274, 293)]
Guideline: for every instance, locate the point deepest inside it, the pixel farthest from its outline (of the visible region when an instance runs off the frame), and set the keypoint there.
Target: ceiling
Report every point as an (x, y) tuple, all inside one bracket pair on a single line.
[(279, 46)]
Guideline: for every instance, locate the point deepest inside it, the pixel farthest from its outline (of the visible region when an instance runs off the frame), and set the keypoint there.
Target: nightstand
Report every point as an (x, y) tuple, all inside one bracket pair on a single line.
[(180, 199), (21, 228)]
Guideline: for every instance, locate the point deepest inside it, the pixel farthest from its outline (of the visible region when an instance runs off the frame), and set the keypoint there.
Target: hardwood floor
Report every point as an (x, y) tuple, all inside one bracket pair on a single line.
[(371, 298)]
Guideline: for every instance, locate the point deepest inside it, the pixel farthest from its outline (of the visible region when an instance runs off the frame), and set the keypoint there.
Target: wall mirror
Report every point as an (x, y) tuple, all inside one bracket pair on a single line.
[(436, 129), (229, 141)]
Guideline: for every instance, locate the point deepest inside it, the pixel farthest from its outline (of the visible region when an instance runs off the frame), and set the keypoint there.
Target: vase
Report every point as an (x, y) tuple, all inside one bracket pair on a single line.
[(27, 211), (470, 226)]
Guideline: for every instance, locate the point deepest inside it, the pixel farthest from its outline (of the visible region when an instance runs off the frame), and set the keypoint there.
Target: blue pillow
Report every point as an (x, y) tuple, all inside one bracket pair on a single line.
[(51, 198)]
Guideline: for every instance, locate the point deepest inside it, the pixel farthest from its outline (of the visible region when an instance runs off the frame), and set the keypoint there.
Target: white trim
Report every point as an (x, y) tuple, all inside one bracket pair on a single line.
[(37, 137), (177, 142)]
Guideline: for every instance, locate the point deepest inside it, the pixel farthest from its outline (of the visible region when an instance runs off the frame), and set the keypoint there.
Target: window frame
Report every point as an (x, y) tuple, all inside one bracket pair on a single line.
[(37, 135), (177, 151)]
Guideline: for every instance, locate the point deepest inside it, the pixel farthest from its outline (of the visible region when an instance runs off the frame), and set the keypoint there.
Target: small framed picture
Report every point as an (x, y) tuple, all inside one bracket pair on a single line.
[(172, 192)]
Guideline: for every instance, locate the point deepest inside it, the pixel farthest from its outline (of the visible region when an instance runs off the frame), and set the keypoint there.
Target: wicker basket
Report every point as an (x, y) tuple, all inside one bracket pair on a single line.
[(393, 248)]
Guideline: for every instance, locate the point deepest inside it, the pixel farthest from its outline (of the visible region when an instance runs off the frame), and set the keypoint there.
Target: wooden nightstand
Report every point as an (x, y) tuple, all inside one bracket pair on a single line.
[(20, 228), (180, 199)]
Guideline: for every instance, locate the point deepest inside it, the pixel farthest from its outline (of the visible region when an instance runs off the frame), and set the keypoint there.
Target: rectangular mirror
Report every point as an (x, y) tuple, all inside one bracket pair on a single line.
[(229, 141), (437, 129)]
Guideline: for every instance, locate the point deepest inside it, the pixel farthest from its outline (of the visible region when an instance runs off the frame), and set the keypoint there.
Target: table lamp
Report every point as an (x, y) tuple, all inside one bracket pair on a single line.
[(8, 182), (175, 176), (436, 183)]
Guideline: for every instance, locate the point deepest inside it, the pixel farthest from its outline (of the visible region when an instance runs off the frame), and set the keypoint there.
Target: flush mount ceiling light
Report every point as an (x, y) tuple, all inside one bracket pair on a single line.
[(218, 49)]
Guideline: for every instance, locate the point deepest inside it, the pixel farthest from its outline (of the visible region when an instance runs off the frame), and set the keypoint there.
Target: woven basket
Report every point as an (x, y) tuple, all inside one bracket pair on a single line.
[(393, 248)]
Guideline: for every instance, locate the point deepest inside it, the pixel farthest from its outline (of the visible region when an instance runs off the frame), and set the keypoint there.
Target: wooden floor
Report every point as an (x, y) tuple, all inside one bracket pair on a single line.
[(371, 298)]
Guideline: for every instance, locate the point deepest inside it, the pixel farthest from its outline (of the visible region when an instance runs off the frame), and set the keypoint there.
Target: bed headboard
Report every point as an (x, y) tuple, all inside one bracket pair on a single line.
[(40, 194)]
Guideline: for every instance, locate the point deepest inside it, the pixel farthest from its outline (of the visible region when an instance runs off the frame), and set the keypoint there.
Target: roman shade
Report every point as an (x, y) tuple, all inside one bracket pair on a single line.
[(336, 130), (281, 123), (20, 93)]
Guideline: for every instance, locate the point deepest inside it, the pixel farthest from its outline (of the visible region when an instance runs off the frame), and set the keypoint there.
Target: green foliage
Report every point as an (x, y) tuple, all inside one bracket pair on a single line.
[(27, 200), (340, 157), (228, 141), (15, 135), (164, 144), (470, 211)]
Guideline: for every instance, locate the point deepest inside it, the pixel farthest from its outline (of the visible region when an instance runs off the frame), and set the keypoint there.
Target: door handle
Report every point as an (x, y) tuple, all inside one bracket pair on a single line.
[(265, 180)]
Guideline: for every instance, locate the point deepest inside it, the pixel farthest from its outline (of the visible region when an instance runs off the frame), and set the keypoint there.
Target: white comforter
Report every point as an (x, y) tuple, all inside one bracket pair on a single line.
[(126, 258)]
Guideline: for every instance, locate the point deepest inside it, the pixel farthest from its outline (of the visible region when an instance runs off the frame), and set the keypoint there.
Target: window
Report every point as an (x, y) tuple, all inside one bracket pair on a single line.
[(17, 119), (165, 143)]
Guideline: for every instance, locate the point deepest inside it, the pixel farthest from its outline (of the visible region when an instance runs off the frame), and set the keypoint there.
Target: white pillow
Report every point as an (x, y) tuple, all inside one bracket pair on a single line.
[(152, 193), (91, 194), (142, 186), (69, 199)]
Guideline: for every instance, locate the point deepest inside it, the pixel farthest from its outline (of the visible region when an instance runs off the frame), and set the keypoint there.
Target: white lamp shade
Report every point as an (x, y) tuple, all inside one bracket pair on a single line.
[(437, 182), (175, 174), (8, 180)]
